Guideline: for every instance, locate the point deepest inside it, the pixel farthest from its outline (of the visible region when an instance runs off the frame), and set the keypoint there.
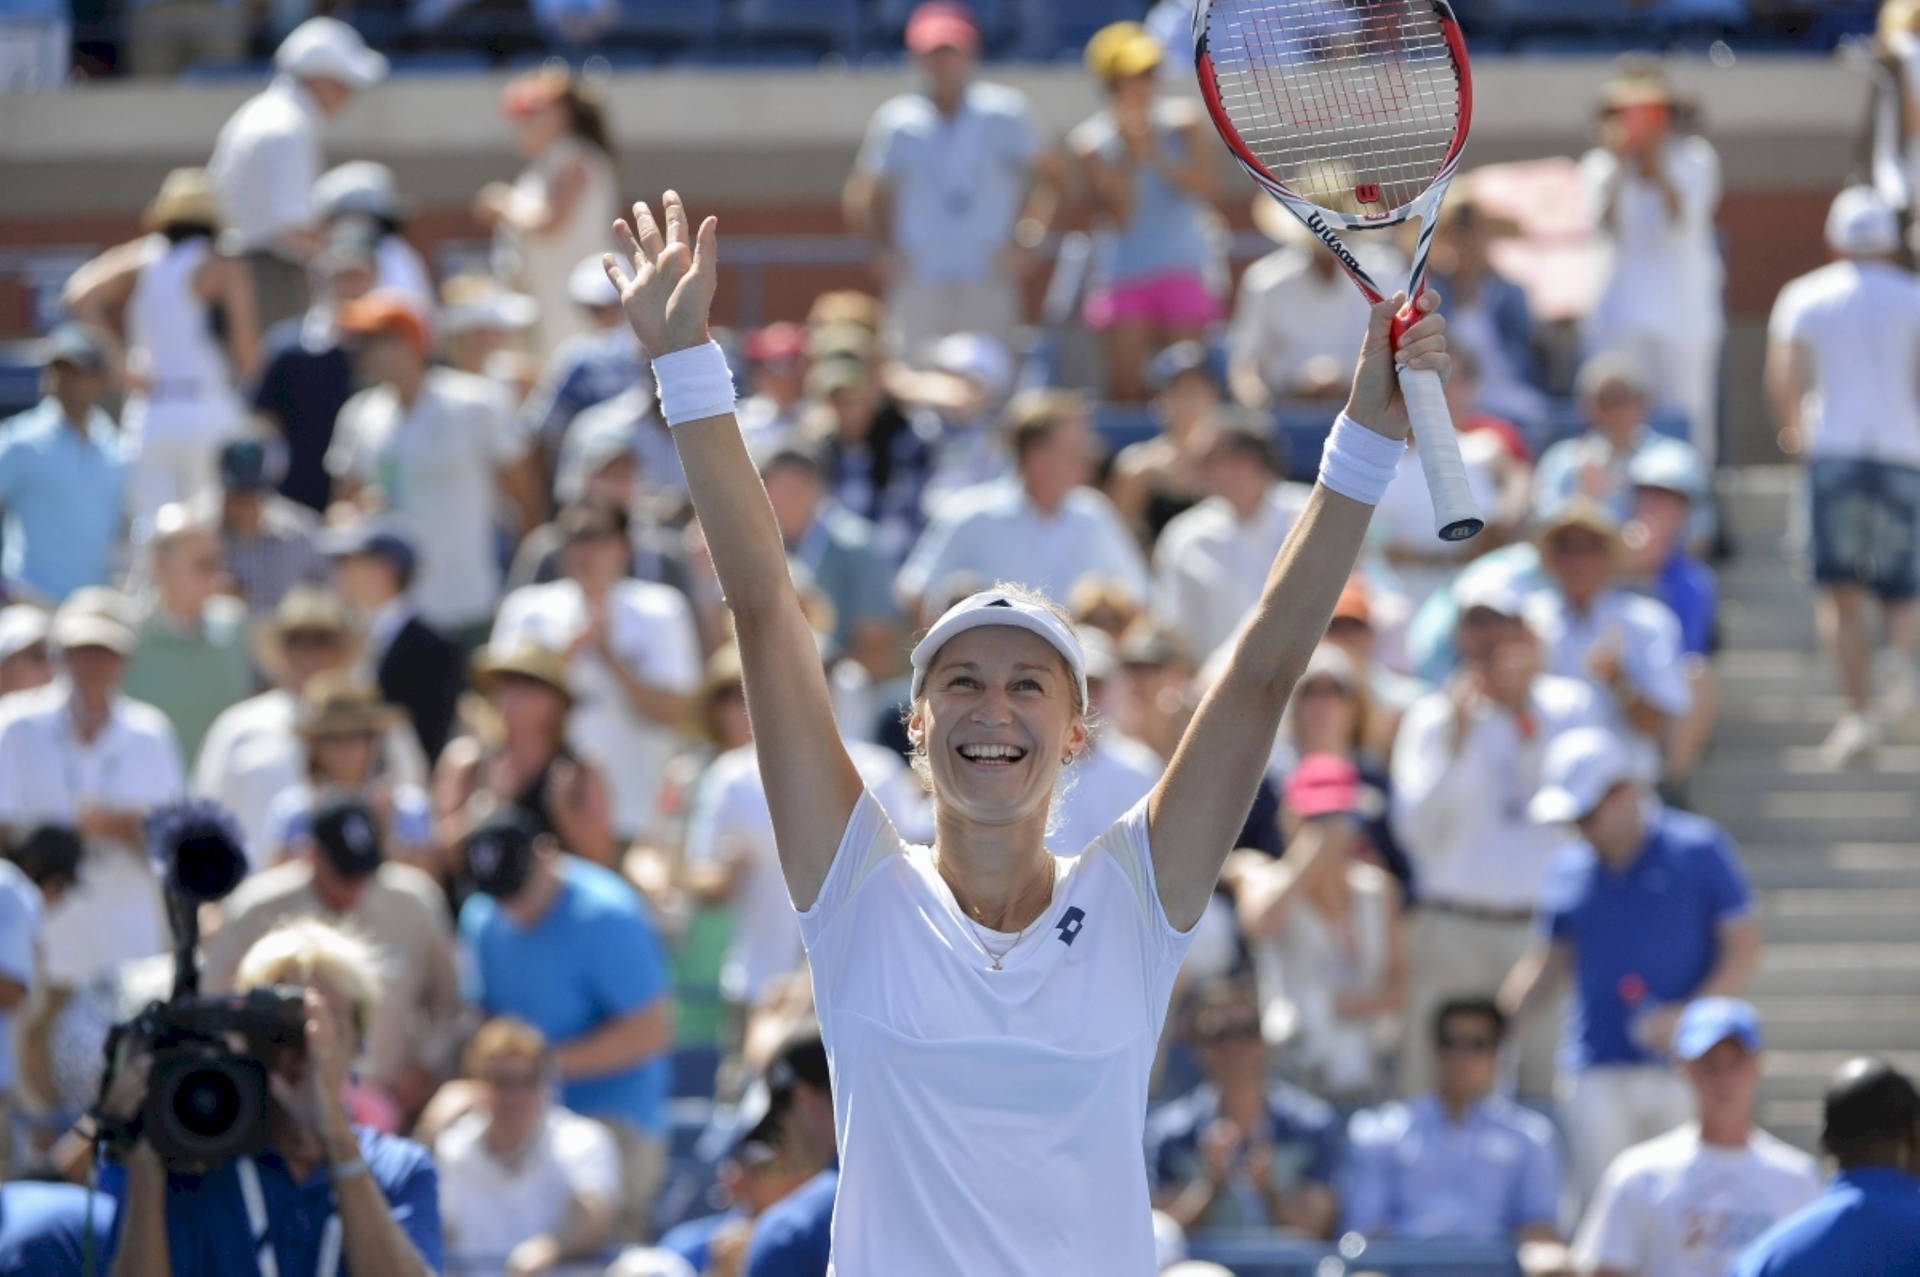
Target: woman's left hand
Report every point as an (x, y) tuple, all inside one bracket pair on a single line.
[(1375, 400)]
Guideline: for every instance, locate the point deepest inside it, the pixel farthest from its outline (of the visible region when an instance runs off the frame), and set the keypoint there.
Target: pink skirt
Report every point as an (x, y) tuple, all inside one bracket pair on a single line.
[(1177, 300)]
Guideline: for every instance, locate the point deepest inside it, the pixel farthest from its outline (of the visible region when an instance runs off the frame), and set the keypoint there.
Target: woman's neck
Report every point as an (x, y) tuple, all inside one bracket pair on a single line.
[(1004, 878)]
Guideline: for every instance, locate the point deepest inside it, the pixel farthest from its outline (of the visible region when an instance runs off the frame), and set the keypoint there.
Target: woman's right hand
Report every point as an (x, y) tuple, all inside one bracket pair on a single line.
[(667, 297), (128, 1091)]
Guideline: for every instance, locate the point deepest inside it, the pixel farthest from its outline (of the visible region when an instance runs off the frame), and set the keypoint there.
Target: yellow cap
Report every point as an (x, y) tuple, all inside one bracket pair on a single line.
[(1121, 49)]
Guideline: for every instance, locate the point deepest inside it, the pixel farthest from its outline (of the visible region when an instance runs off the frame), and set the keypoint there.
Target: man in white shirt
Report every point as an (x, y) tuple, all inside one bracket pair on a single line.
[(1114, 772), (1466, 762), (78, 753), (267, 158), (1211, 561), (1687, 1203), (1843, 372), (1044, 528)]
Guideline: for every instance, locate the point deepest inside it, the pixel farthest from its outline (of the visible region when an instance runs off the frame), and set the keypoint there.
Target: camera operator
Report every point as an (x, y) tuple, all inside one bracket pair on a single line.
[(327, 1198)]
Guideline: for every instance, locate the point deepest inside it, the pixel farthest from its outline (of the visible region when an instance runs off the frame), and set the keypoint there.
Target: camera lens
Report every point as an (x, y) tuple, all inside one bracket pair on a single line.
[(207, 1104)]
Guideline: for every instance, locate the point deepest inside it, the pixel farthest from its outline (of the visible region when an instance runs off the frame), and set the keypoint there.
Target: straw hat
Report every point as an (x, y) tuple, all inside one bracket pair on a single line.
[(528, 661), (335, 704), (185, 199), (303, 608), (1278, 225), (1581, 512)]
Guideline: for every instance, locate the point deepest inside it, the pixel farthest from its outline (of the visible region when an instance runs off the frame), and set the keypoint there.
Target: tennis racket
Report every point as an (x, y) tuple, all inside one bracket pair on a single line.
[(1352, 114)]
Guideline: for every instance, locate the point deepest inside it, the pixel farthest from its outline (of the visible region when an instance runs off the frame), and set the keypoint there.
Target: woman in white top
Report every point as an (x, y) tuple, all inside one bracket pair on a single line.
[(191, 335), (990, 1011), (558, 210)]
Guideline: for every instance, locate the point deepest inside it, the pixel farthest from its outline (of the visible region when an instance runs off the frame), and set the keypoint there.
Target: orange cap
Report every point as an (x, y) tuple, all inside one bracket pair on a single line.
[(384, 313), (1354, 603)]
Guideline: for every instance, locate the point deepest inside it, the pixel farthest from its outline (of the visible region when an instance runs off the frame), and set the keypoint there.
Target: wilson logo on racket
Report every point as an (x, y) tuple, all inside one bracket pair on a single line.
[(1367, 192), (1318, 226)]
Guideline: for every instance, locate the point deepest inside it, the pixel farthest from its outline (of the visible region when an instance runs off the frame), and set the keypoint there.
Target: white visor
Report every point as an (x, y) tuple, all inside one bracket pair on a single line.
[(992, 607)]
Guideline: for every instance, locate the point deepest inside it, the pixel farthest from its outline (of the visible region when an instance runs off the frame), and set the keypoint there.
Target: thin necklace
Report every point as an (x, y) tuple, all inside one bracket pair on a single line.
[(980, 938)]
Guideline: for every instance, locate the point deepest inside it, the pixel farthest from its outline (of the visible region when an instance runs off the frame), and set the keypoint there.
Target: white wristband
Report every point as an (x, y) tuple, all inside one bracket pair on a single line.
[(1358, 462), (693, 384)]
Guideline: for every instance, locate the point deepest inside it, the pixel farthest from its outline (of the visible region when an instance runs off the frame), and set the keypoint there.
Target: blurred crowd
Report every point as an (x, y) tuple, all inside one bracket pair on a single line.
[(402, 572)]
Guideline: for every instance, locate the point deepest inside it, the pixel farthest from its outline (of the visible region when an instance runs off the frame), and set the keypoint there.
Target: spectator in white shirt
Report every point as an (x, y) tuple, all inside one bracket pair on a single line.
[(1688, 1202), (1652, 192), (526, 1186), (1843, 363), (1044, 528), (267, 158), (1211, 562), (1112, 773), (1465, 764)]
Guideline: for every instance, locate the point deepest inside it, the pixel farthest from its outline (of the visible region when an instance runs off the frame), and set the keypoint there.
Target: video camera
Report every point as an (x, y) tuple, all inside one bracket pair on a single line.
[(207, 1096)]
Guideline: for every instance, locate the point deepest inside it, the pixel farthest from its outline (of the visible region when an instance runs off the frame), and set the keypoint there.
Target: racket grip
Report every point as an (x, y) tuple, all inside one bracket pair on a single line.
[(1456, 513)]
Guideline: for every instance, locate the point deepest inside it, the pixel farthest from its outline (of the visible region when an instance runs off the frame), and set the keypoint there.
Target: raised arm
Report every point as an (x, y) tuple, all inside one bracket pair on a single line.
[(811, 783), (1199, 805)]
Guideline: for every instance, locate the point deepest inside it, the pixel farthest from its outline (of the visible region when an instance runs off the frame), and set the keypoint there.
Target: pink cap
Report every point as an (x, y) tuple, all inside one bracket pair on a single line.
[(941, 24), (1323, 785)]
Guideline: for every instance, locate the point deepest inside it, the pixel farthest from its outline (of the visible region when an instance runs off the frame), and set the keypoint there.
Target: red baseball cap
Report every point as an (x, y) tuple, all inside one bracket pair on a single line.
[(1323, 785), (941, 24), (776, 343)]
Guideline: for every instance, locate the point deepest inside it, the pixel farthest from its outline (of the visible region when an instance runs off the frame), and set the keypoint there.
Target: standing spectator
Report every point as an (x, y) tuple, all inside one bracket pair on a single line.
[(192, 661), (791, 1239), (1647, 911), (81, 754), (63, 475), (1157, 480), (412, 664), (633, 658), (1465, 764), (360, 195), (592, 367), (879, 453), (1843, 345), (1867, 1223), (341, 875), (1238, 1151), (167, 285), (20, 911), (955, 189), (25, 662), (1044, 528), (1667, 488), (342, 723), (433, 448), (1211, 562), (570, 948), (1148, 166), (1461, 1163), (561, 208), (1652, 191), (267, 158), (1611, 393), (525, 1185), (269, 543), (1486, 312), (1686, 1203), (776, 383), (1113, 772)]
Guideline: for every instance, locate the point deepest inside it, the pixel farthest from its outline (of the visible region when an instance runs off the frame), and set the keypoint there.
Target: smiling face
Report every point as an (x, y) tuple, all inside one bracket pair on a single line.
[(997, 717)]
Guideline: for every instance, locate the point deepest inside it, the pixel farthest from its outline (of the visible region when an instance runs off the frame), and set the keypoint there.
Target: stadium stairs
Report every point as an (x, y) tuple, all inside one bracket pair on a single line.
[(1834, 856)]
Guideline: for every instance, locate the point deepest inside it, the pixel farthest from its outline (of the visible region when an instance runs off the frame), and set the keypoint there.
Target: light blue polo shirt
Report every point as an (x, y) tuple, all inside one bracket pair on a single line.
[(20, 910), (1867, 1224), (65, 500), (1412, 1173)]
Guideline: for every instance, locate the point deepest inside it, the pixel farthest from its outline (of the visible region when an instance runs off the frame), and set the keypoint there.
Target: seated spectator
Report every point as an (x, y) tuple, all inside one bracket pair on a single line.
[(361, 195), (63, 476), (1329, 714), (21, 907), (1646, 912), (633, 658), (1688, 1202), (519, 757), (1404, 523), (570, 948), (1157, 691), (341, 725), (1462, 1162), (1156, 480), (1236, 1151), (412, 664), (1044, 529), (1354, 630), (776, 384), (1465, 765), (1611, 393), (632, 417), (1486, 313), (1465, 395), (972, 449), (1325, 936), (1211, 561), (320, 1165), (342, 875), (606, 460), (1113, 772), (482, 328), (1098, 603), (192, 660), (525, 1185), (25, 662), (790, 1239), (594, 367), (757, 1171), (1657, 561), (878, 454), (269, 543)]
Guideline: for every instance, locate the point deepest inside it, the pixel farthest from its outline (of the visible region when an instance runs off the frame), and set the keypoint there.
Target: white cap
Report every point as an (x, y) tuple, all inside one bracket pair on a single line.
[(977, 357), (329, 49), (1578, 770), (1494, 591), (992, 607), (499, 311), (589, 286), (1861, 223), (1675, 469), (360, 186), (21, 626)]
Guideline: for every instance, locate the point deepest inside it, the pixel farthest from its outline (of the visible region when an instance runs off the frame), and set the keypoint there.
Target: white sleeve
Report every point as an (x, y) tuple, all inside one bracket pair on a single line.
[(669, 656), (344, 459), (1434, 789), (14, 807), (1246, 335), (1789, 314), (1613, 1235), (715, 813), (505, 436), (286, 164), (159, 778), (869, 840), (589, 1159), (1653, 660)]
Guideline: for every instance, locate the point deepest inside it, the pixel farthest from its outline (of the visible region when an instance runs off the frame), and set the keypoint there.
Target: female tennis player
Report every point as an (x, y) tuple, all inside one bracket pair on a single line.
[(991, 1011)]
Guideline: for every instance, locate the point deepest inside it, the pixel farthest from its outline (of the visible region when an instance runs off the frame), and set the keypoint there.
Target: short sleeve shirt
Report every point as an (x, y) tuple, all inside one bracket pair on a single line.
[(1860, 321), (1412, 1173), (1302, 1129), (64, 493)]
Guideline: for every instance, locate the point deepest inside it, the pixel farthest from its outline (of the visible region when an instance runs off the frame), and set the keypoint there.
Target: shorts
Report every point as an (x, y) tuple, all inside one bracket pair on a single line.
[(1177, 300), (1864, 525)]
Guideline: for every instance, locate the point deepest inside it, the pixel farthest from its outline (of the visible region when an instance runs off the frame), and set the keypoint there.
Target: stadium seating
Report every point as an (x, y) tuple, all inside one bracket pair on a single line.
[(820, 25)]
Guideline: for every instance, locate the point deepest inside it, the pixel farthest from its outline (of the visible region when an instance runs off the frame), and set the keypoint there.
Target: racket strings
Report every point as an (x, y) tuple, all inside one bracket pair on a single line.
[(1339, 99)]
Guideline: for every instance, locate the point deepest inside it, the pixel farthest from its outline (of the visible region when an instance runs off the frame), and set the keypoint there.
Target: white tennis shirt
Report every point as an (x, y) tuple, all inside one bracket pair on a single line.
[(990, 1121)]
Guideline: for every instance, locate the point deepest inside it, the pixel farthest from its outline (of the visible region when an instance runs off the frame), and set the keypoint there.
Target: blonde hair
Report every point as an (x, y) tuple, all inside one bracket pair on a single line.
[(308, 952), (1898, 17), (502, 1036)]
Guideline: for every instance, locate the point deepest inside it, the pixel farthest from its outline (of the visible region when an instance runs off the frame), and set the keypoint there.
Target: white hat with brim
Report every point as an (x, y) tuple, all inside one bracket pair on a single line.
[(1490, 591), (1580, 768), (75, 629), (589, 286), (500, 312), (994, 607), (328, 49), (21, 626)]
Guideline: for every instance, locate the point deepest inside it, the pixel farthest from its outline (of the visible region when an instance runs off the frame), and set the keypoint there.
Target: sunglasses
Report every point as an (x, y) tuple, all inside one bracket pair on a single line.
[(310, 640), (1466, 1043), (1238, 1031)]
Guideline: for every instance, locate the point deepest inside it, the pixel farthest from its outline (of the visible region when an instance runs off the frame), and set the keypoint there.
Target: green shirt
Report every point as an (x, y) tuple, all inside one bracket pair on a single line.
[(191, 676)]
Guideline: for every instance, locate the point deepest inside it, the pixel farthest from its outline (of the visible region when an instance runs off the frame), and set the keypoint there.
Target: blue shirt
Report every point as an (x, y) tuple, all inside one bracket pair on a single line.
[(1411, 1173), (43, 1230), (209, 1234), (693, 1240), (1641, 938), (1687, 587), (65, 498), (794, 1236), (1302, 1129), (1167, 231), (304, 382), (1867, 1224), (589, 369), (595, 957), (20, 909)]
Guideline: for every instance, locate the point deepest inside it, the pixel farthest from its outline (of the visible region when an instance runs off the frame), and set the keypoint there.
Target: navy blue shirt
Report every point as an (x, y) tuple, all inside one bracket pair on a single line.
[(794, 1236), (1641, 938), (1302, 1129), (302, 389), (1867, 1224), (43, 1230), (209, 1234)]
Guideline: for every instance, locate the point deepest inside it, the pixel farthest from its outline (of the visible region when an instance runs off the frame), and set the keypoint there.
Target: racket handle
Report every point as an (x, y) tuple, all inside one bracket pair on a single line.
[(1456, 514)]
